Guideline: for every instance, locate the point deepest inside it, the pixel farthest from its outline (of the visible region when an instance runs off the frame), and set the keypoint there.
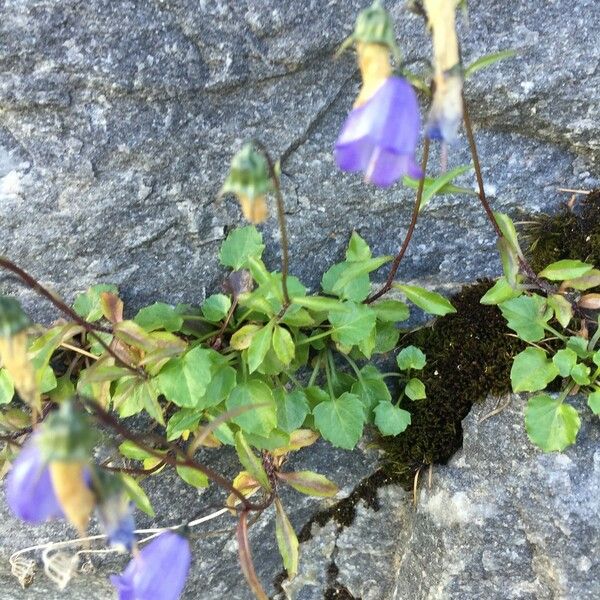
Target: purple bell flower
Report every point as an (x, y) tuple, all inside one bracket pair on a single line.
[(29, 490), (158, 572), (380, 136)]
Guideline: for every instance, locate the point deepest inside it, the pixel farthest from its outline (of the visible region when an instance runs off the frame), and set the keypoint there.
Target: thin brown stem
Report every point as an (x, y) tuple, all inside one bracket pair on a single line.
[(280, 218), (415, 215), (245, 555), (91, 328), (37, 287), (172, 460), (475, 156)]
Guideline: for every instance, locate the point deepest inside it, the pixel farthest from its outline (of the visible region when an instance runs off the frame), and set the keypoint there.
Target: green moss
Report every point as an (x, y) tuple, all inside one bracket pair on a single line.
[(571, 233), (469, 356)]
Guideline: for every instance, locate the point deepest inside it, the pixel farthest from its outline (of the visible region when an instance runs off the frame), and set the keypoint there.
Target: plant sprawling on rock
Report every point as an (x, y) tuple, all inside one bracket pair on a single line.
[(263, 365)]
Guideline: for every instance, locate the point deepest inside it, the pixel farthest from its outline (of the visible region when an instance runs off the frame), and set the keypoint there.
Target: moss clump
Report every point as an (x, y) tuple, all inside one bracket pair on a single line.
[(571, 233), (469, 355)]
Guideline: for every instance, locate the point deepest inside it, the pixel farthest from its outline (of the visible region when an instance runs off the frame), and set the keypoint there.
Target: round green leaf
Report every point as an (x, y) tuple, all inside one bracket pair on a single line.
[(216, 307), (241, 244), (565, 269), (283, 344), (532, 371), (411, 357), (594, 402), (7, 388), (390, 419), (261, 420), (340, 420), (415, 389), (551, 424)]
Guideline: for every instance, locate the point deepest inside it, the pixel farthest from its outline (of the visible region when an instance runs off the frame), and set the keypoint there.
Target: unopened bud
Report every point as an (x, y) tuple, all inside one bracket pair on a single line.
[(249, 179)]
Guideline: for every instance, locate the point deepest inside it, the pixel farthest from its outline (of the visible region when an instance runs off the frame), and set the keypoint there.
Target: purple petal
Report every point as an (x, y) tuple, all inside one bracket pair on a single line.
[(387, 167), (29, 490), (382, 134), (159, 571)]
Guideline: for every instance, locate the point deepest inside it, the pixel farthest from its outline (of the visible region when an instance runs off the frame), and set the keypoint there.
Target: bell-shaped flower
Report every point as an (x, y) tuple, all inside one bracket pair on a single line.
[(29, 490), (158, 572), (379, 137), (447, 109), (115, 514)]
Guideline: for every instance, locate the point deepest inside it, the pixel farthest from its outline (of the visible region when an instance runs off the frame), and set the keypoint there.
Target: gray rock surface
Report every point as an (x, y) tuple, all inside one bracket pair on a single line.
[(501, 521), (215, 572), (118, 119)]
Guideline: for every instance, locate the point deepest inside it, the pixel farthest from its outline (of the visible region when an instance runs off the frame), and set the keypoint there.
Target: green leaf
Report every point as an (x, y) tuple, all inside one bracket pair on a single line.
[(158, 316), (578, 345), (184, 380), (356, 288), (292, 409), (563, 311), (216, 307), (411, 357), (137, 494), (488, 60), (390, 419), (241, 244), (391, 311), (551, 424), (183, 420), (594, 402), (371, 389), (358, 250), (501, 291), (581, 374), (88, 305), (415, 389), (590, 280), (431, 302), (565, 269), (276, 439), (261, 420), (437, 185), (7, 388), (386, 337), (133, 394), (259, 346), (532, 371), (223, 380), (340, 420), (320, 303), (526, 316), (310, 483), (352, 325), (192, 476), (509, 258), (287, 540), (565, 359), (250, 461), (283, 345), (507, 227), (242, 338)]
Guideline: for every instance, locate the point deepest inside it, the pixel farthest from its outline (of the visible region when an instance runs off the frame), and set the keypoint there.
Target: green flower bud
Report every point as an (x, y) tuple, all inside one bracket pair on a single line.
[(67, 435), (374, 26), (12, 318), (249, 174)]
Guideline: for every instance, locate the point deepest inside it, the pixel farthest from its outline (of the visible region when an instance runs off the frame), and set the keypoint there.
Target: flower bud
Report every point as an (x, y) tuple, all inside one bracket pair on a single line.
[(250, 181), (13, 319), (14, 324), (67, 435), (374, 26), (446, 109)]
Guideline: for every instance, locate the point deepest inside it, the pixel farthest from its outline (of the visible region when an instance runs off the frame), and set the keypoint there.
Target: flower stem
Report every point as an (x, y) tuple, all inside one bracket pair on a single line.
[(91, 328), (415, 215), (477, 166), (281, 219)]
